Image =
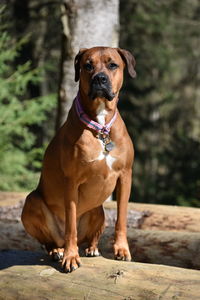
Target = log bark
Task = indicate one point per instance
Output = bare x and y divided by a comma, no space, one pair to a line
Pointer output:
179,249
161,217
174,240
31,276
143,216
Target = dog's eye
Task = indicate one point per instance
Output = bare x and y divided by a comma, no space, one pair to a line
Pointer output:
112,66
88,66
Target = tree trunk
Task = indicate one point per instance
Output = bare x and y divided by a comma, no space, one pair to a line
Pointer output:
86,23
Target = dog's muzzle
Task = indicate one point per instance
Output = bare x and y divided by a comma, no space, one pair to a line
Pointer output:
101,87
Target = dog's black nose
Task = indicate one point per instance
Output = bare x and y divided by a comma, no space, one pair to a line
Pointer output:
100,78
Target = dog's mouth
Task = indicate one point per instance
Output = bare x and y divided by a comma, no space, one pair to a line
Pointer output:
101,87
96,92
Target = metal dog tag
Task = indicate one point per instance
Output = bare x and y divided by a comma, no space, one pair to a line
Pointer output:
109,147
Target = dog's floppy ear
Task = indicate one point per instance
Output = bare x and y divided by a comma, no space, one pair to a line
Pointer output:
129,60
77,63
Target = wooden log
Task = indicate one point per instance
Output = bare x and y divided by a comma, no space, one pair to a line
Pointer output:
26,276
11,198
180,249
143,216
159,247
161,217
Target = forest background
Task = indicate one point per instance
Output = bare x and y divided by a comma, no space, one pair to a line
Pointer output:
161,107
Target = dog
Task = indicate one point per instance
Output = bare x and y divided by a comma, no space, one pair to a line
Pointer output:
90,156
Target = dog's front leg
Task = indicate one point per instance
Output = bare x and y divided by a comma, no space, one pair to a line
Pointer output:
123,187
71,259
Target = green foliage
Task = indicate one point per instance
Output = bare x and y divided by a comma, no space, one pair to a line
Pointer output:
164,99
19,159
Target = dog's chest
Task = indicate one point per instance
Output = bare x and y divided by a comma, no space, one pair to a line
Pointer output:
101,155
102,152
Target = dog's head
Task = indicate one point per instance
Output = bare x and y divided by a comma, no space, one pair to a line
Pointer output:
100,70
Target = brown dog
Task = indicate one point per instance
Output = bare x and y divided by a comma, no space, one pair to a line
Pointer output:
89,157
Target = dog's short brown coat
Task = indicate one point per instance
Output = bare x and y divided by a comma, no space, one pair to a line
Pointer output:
66,208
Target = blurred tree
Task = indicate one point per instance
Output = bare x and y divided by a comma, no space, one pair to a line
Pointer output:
86,23
164,99
18,159
40,20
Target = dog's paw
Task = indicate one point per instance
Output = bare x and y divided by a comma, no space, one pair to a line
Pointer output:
56,254
71,261
92,251
121,252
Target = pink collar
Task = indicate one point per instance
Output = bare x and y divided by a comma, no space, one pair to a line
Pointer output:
90,123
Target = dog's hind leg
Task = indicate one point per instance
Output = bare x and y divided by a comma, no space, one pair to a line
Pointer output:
90,228
41,224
